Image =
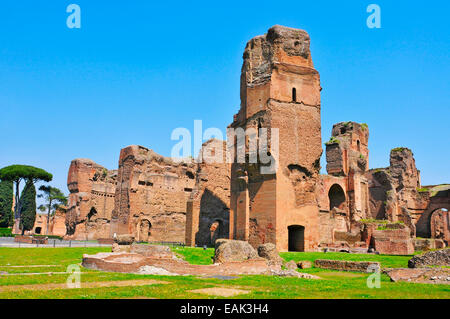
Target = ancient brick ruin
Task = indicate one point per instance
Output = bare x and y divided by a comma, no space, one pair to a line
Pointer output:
351,208
295,207
148,197
91,201
208,207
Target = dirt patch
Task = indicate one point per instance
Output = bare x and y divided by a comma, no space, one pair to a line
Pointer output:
96,284
222,292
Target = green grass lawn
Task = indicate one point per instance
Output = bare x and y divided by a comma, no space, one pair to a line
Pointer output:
386,261
333,284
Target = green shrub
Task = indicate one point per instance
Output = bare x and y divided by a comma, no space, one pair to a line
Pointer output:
6,232
333,140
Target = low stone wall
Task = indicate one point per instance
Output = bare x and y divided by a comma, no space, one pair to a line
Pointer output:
420,275
433,258
393,242
30,239
23,239
344,265
105,241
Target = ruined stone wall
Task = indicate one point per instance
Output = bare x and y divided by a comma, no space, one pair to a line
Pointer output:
208,208
396,195
279,89
40,225
147,197
347,150
57,223
333,207
434,221
394,192
91,201
151,195
347,155
343,196
156,199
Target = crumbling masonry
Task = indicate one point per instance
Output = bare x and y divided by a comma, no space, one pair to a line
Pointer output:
296,208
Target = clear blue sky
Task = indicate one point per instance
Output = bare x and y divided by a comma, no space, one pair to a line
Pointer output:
138,69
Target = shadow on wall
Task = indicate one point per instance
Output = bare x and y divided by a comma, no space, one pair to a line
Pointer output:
213,220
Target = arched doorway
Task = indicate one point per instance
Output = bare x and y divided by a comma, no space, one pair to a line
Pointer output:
144,230
296,238
92,214
336,197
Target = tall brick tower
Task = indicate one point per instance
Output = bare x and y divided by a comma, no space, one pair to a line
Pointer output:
279,89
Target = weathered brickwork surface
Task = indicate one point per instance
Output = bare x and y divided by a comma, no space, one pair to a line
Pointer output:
147,197
279,89
393,242
91,200
208,207
151,195
154,198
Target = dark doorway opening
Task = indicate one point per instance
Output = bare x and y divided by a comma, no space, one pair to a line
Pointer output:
336,196
38,230
296,238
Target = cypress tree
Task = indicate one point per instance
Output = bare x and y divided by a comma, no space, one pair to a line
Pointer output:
28,207
6,202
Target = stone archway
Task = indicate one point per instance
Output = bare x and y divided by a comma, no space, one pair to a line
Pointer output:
423,224
143,230
336,197
296,238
